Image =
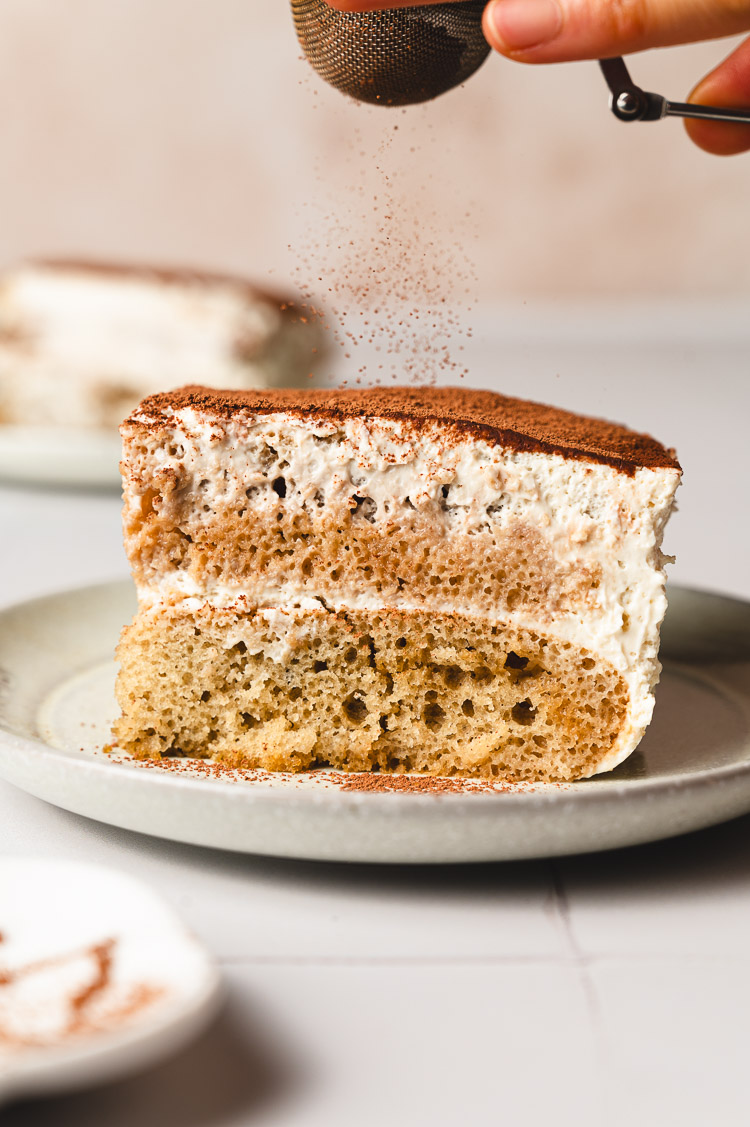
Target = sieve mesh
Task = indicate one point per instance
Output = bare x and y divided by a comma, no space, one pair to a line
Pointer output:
394,57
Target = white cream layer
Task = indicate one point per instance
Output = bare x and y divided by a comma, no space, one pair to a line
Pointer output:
591,516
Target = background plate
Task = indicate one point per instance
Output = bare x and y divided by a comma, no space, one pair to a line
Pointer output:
60,456
158,990
691,770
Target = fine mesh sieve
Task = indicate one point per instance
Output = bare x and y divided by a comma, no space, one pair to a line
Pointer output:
394,57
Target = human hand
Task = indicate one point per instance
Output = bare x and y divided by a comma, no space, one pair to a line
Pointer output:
555,31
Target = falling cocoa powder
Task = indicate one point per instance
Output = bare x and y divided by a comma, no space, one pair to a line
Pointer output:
395,277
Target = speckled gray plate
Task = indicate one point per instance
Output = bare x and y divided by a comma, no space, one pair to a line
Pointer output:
691,770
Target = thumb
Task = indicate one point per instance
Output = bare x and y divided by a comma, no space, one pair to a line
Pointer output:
553,31
727,85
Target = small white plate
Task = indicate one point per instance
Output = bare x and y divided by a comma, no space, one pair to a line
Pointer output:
691,770
60,456
97,977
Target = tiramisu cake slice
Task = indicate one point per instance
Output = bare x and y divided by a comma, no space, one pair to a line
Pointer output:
82,343
429,580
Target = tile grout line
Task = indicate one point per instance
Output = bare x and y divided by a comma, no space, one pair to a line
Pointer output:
376,961
572,961
583,965
577,956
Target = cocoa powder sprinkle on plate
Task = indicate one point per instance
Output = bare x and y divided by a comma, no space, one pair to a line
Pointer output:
362,782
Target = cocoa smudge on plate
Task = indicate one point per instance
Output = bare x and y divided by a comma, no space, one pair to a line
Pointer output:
79,1019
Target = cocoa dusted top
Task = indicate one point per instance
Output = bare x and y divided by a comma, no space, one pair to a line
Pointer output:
517,424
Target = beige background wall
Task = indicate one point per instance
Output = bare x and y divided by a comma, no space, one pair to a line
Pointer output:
189,130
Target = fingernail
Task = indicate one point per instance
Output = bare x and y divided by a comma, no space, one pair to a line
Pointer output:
520,24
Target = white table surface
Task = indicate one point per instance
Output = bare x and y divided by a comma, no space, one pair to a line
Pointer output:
607,989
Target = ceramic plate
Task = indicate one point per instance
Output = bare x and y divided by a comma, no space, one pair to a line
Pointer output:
97,977
691,770
60,456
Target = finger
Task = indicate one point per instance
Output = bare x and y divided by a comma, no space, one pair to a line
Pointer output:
728,85
551,31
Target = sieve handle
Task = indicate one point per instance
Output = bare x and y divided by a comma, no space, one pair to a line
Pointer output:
629,103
